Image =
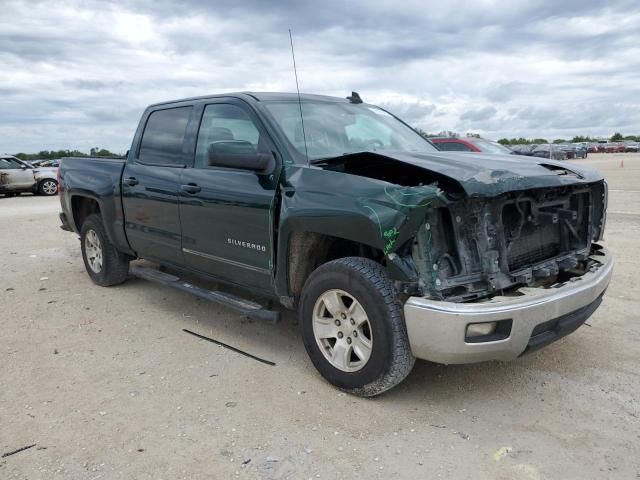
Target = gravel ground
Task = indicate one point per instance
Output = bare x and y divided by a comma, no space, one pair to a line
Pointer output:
105,385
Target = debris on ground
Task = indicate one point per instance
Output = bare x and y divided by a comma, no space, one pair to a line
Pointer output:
8,454
234,349
501,453
273,468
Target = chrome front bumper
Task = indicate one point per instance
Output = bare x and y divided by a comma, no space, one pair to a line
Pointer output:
437,329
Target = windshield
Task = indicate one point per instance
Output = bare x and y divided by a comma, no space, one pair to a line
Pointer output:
334,129
490,147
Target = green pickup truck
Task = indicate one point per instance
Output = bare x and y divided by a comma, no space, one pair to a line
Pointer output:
389,249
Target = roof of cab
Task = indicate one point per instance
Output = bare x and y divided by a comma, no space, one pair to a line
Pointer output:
260,96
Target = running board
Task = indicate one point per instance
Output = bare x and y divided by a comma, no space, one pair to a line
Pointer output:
240,305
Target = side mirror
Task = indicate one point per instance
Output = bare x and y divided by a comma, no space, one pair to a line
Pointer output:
239,154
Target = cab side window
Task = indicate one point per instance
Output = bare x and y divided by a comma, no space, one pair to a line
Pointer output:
163,137
225,128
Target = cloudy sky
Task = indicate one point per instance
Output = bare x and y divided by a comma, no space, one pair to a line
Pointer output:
79,74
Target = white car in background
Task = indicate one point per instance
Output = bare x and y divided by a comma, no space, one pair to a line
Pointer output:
17,177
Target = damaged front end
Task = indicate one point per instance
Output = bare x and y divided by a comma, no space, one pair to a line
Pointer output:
477,247
458,232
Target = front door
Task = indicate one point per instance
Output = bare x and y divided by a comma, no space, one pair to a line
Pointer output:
15,176
226,213
150,186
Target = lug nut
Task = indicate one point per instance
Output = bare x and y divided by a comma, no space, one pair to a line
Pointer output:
344,316
353,322
337,323
340,335
349,340
355,333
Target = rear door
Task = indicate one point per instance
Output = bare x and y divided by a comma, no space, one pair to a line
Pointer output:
150,185
226,213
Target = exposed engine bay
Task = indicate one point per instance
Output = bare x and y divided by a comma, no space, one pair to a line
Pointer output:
474,248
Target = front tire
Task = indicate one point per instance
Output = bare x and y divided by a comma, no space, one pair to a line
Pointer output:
48,187
353,327
105,265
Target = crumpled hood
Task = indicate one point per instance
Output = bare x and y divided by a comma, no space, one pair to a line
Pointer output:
482,174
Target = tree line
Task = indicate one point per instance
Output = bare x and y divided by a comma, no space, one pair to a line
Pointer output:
56,154
616,137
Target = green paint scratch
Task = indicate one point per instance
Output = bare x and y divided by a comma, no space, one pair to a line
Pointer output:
377,218
390,236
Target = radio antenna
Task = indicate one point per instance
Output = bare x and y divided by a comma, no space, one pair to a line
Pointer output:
295,71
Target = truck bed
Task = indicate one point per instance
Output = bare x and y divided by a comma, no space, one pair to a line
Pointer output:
99,178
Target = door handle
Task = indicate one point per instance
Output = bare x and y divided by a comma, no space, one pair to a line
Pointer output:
190,188
132,181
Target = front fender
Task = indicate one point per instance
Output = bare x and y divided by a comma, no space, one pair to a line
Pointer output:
372,212
44,175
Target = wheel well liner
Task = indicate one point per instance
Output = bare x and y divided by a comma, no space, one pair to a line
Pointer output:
309,250
81,208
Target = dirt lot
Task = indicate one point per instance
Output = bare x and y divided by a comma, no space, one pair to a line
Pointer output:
106,385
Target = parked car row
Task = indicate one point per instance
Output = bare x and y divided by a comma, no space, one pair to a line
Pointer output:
17,177
545,150
555,151
44,163
475,144
613,147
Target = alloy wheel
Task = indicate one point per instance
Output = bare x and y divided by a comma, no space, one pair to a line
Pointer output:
342,330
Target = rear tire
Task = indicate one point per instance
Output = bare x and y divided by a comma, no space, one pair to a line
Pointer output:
348,306
105,265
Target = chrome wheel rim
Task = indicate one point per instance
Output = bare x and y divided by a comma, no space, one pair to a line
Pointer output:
93,251
342,330
49,188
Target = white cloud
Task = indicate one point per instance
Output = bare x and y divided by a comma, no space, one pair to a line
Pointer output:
78,74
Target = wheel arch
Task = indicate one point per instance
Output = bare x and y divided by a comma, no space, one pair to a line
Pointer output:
81,207
305,251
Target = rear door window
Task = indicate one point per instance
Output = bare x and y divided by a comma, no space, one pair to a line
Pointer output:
163,138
